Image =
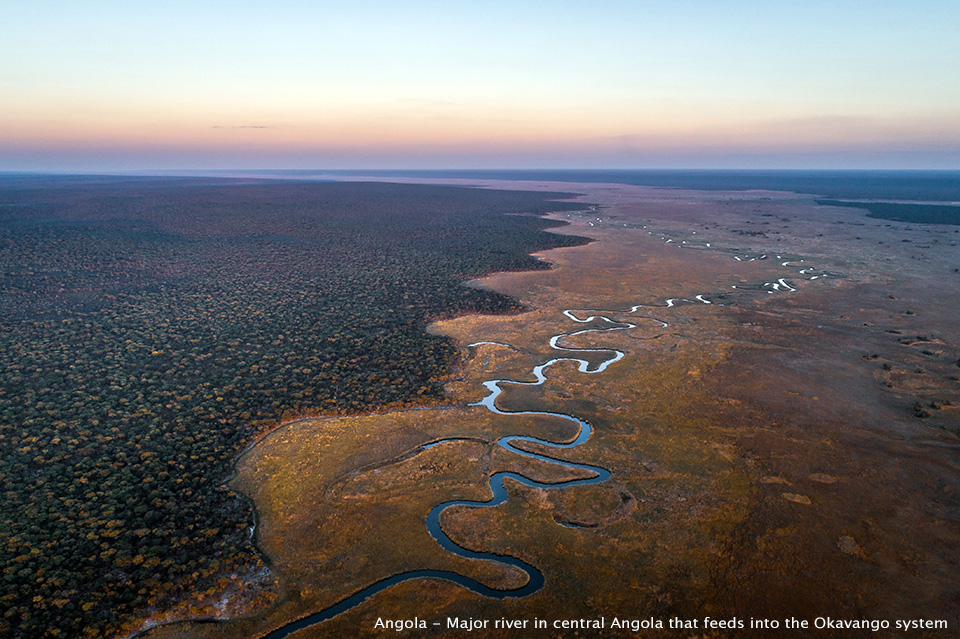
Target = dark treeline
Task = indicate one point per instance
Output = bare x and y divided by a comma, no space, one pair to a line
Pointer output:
904,211
942,186
151,329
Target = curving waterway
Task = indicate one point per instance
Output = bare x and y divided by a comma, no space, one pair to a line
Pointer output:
495,389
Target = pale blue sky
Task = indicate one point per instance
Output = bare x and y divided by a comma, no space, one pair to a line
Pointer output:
117,85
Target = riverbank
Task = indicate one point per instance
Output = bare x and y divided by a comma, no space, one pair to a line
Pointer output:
760,463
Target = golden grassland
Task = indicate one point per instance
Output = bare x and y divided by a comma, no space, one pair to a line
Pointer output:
761,465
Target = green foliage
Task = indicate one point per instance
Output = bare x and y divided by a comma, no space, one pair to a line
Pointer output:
150,329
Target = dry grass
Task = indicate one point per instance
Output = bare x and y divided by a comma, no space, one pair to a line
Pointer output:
749,450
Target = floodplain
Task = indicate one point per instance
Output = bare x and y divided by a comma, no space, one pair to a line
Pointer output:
780,435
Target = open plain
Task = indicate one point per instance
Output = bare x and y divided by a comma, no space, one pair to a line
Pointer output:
780,433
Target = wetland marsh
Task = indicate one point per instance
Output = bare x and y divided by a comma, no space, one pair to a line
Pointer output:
727,404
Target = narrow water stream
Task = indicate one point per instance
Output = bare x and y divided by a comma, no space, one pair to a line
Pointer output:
495,388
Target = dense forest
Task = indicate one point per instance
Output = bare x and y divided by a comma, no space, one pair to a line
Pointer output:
151,329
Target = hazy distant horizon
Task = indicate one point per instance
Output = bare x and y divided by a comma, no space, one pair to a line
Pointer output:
916,160
917,186
122,169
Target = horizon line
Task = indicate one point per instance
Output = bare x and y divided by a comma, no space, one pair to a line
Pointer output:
164,172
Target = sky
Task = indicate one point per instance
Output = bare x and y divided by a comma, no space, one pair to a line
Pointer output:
126,86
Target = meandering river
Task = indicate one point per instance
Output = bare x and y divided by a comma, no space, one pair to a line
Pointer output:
608,322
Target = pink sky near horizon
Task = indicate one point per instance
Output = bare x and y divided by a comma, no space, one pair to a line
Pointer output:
107,86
